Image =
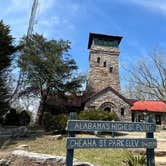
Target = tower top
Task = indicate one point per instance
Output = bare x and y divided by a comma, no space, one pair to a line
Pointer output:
104,40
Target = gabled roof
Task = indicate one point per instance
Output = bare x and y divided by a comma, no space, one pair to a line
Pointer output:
148,105
105,90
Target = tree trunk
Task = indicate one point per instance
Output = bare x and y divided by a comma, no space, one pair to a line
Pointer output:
40,112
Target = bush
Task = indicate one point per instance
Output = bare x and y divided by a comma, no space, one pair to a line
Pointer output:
11,118
61,122
97,115
135,160
24,118
54,122
14,118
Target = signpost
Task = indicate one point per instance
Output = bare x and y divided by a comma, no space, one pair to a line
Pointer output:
108,126
77,143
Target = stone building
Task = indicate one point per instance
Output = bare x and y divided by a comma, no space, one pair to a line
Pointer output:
156,109
103,86
103,78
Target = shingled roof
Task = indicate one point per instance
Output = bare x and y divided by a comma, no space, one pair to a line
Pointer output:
148,105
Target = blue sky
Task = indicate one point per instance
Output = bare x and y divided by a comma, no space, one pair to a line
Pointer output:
142,23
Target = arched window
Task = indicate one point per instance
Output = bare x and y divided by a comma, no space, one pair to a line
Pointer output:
108,109
98,60
105,64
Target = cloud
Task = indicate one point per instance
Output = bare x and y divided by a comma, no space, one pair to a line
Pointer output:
153,5
17,6
44,5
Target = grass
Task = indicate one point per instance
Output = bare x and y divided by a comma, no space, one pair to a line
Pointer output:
49,145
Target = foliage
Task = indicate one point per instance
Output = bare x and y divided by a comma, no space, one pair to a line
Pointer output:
11,118
24,118
92,114
135,160
48,69
61,122
6,50
14,118
147,78
54,122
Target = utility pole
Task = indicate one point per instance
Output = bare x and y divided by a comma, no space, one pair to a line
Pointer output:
32,21
32,18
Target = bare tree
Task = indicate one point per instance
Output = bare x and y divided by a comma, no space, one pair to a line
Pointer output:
147,78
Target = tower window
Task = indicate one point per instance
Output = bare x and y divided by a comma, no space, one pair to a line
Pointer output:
98,60
122,111
111,69
104,64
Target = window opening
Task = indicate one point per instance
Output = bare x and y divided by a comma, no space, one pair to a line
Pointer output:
98,60
104,64
108,109
122,111
111,69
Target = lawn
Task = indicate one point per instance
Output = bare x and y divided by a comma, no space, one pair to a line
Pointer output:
49,145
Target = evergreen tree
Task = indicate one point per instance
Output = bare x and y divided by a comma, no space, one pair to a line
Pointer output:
48,69
6,50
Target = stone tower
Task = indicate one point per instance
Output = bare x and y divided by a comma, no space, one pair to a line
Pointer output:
103,60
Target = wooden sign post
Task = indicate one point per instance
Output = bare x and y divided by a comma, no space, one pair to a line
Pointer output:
108,126
70,152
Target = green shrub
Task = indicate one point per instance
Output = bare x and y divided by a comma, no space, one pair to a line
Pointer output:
61,122
54,122
135,160
24,118
11,118
48,121
97,115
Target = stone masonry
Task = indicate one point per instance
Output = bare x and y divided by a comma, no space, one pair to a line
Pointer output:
108,99
104,65
99,76
103,77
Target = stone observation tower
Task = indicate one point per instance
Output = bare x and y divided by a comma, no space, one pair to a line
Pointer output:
103,59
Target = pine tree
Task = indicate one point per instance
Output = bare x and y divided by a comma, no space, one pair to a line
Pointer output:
48,69
6,50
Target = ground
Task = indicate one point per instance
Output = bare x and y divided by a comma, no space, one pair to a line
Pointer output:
104,157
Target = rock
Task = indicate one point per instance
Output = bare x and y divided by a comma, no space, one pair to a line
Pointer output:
21,131
22,147
82,164
44,158
4,162
39,158
57,137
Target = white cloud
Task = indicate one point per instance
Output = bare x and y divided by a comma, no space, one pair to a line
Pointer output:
17,6
44,5
153,5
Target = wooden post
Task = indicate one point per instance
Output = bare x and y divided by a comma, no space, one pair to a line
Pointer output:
150,152
70,152
113,133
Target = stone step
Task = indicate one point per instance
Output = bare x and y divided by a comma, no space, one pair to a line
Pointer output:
45,158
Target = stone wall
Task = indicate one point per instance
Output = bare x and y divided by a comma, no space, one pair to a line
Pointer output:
100,77
13,131
117,103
